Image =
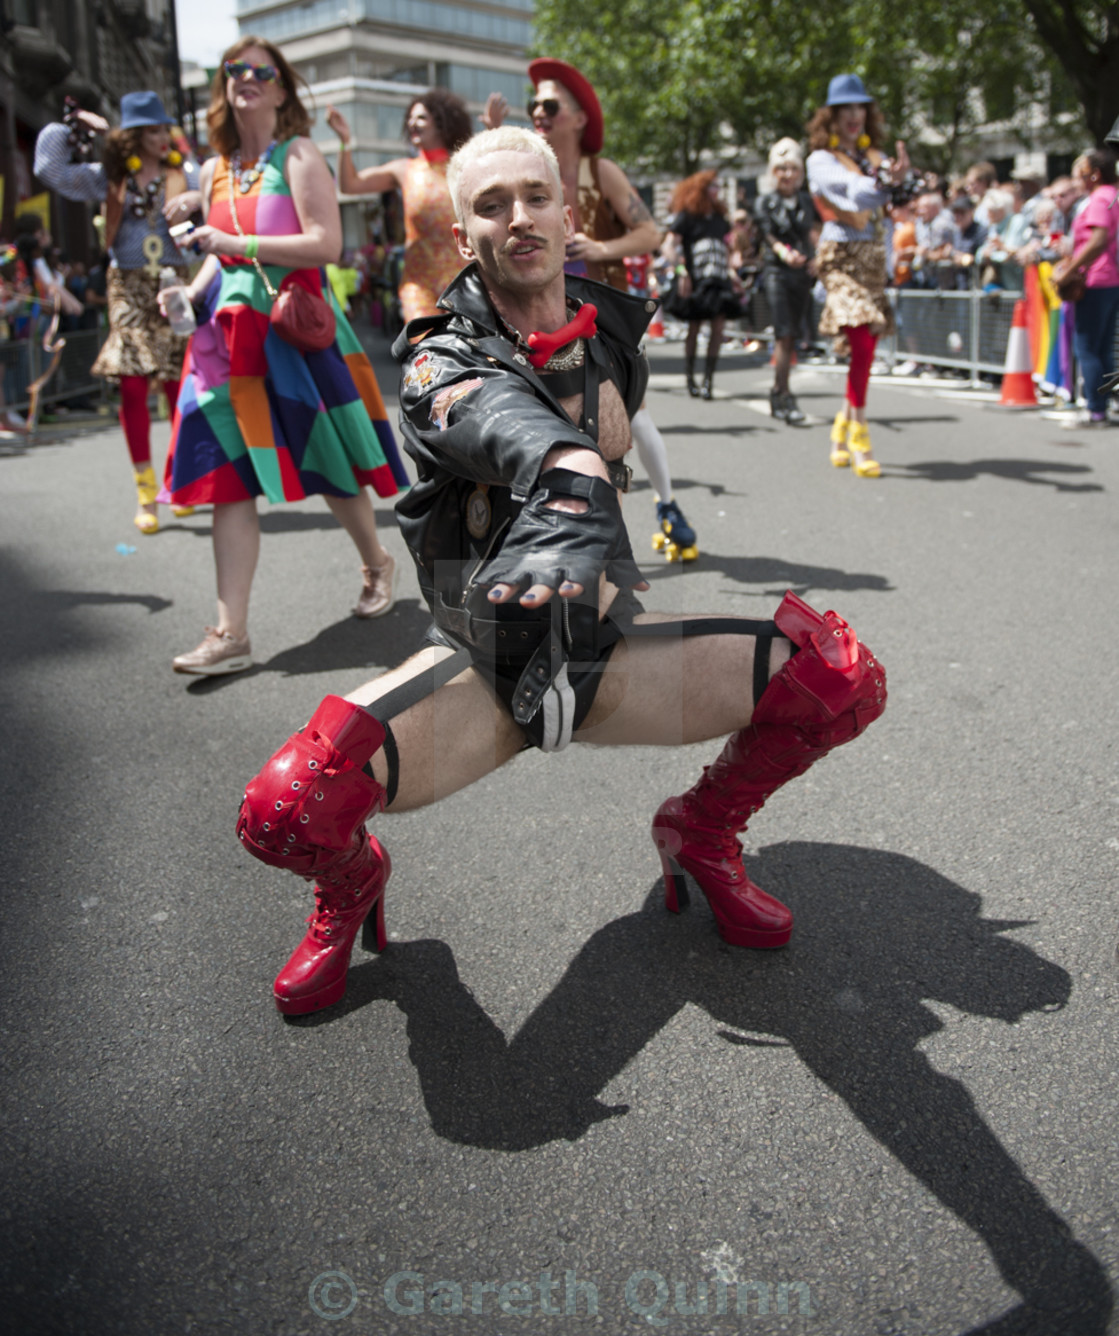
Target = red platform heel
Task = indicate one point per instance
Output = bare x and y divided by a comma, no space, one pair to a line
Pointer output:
827,693
352,896
688,839
306,811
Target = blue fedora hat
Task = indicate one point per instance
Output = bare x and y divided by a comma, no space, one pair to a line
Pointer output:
137,109
846,88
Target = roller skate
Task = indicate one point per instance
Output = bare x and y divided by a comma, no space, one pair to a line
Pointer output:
676,537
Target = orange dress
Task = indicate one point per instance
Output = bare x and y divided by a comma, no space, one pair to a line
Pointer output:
431,258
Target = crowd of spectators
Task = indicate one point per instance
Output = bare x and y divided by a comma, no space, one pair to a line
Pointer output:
977,232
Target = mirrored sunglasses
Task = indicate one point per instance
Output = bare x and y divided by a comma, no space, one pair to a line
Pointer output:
237,69
548,105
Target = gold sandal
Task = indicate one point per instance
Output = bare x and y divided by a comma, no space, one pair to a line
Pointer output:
146,492
858,439
840,457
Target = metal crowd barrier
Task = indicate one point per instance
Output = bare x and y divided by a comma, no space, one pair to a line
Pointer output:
22,361
966,331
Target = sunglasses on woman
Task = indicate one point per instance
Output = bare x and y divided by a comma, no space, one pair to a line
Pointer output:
548,105
237,69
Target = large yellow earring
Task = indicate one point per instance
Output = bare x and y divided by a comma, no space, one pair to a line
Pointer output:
863,141
833,141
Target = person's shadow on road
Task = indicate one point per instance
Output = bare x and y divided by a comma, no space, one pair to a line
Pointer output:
877,935
1013,470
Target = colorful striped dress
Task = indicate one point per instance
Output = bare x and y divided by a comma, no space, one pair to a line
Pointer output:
256,417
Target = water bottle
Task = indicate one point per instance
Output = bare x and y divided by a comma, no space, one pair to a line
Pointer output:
176,302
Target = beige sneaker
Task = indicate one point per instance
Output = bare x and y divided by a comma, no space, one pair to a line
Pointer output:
220,652
378,593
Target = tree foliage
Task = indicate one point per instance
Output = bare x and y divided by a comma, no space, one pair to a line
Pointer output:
685,80
1084,37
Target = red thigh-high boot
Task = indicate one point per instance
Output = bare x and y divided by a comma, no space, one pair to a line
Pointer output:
306,811
825,695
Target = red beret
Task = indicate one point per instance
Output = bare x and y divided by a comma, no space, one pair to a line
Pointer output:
559,71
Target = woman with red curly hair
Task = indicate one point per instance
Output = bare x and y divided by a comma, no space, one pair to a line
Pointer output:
852,183
436,123
697,245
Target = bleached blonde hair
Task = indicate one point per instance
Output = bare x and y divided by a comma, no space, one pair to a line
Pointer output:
786,150
507,139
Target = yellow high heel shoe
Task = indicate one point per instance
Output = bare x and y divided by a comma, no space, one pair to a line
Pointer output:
146,492
858,441
840,457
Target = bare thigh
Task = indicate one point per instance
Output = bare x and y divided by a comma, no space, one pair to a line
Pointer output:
445,741
671,690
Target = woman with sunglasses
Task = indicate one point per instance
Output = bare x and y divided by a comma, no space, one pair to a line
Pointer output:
436,123
146,185
256,415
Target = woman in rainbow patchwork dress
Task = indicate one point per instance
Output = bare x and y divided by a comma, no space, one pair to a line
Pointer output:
257,416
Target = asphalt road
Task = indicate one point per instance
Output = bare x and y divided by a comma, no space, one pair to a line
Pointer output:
550,1106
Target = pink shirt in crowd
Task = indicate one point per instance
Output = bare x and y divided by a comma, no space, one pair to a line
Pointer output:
1102,272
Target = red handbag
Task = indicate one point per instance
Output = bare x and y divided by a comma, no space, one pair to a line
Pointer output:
298,316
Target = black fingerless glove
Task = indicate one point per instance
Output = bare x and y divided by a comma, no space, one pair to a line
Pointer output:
549,547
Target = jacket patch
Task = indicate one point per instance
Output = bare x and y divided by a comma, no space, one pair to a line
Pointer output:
443,402
419,373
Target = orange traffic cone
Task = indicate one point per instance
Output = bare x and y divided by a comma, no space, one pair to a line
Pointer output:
655,332
1017,378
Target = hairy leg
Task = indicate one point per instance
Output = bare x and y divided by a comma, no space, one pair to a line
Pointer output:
445,741
674,690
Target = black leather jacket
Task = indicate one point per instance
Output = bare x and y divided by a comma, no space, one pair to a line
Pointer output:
476,418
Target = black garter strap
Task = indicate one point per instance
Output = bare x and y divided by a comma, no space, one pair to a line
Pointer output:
425,683
761,666
392,760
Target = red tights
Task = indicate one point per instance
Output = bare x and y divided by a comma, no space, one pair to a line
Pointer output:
135,418
862,344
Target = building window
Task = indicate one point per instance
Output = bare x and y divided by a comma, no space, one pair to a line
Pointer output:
424,15
476,84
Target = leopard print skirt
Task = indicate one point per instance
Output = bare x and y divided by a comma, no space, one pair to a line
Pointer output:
140,341
854,275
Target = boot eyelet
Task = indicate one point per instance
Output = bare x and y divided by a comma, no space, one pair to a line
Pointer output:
268,825
312,765
291,839
304,819
296,785
279,806
318,797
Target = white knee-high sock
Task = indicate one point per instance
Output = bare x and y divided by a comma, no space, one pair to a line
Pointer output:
652,452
